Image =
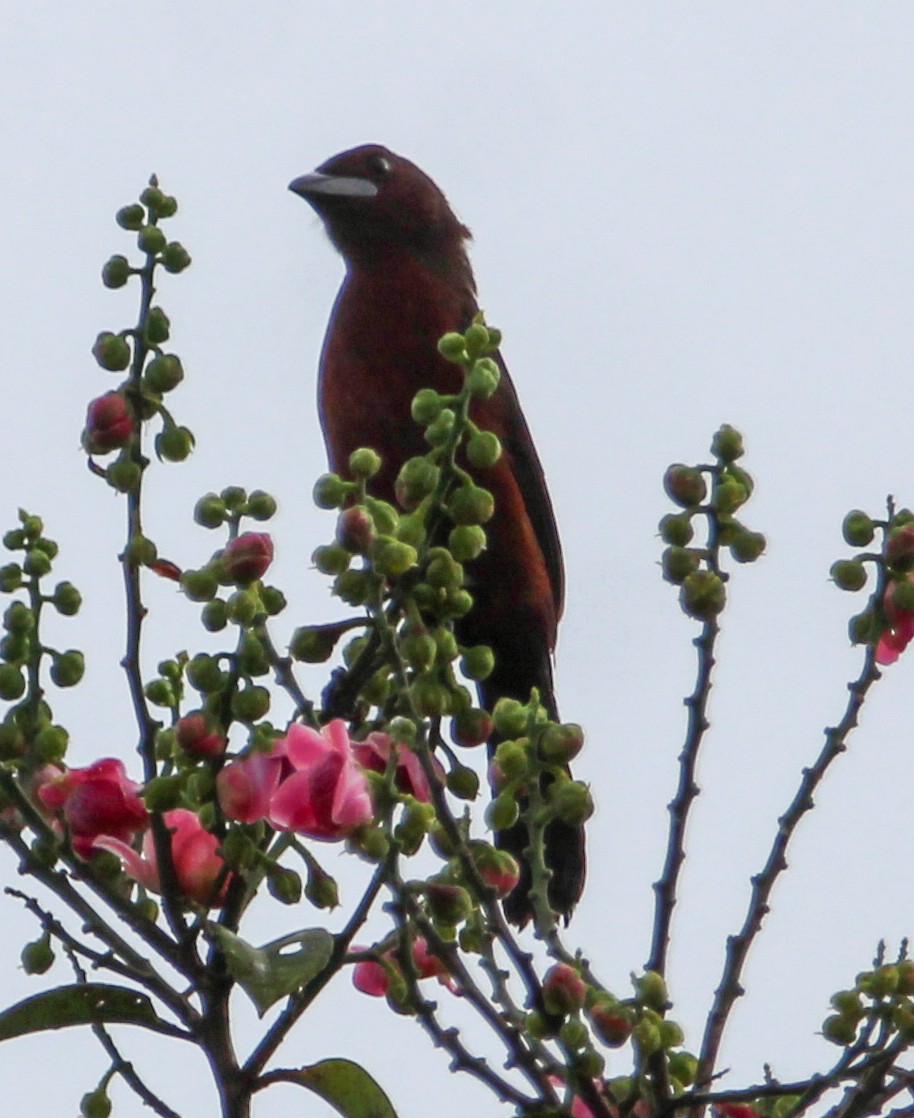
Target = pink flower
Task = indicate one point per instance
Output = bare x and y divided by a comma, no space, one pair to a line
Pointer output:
372,978
374,754
579,1108
497,868
109,424
900,632
246,558
246,787
98,800
326,796
194,855
735,1110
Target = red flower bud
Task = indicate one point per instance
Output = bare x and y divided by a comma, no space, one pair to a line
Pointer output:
109,424
247,557
196,737
564,990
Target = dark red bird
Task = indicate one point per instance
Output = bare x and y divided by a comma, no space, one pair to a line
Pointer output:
408,281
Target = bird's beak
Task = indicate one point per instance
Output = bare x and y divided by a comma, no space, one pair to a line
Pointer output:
339,186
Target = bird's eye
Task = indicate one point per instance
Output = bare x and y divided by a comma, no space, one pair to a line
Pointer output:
380,166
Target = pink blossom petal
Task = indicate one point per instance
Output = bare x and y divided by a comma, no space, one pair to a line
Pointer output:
306,747
371,978
136,866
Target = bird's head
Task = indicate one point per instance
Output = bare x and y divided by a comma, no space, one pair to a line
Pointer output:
372,201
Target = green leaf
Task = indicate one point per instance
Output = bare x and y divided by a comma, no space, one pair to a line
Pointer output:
271,972
82,1004
347,1087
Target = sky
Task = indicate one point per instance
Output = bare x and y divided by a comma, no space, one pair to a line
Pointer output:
683,215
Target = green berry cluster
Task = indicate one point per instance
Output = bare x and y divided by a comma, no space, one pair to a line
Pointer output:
28,732
714,492
113,420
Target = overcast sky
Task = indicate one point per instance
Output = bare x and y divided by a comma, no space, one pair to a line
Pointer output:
684,214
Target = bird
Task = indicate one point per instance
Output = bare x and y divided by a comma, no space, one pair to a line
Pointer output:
407,282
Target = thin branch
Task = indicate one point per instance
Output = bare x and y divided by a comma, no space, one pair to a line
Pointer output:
738,946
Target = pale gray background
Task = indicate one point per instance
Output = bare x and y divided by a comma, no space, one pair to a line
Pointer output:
684,214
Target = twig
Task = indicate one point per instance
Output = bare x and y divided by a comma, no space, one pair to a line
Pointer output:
738,946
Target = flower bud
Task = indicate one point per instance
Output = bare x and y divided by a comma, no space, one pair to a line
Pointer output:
452,347
677,563
250,703
611,1020
200,585
175,257
438,432
747,546
284,885
467,542
109,424
364,462
204,674
164,373
330,491
416,479
463,783
470,504
448,904
173,443
352,587
95,1104
246,558
426,405
111,351
150,239
482,378
130,217
848,574
497,868
476,338
37,957
503,812
647,1037
321,890
430,697
510,718
684,485
727,444
36,563
483,450
899,549
560,744
195,736
839,1030
477,663
472,727
313,644
355,529
123,474
68,668
652,991
393,558
511,759
676,528
728,496
418,649
571,801
703,595
671,1034
67,599
564,990
261,505
858,529
116,272
443,569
